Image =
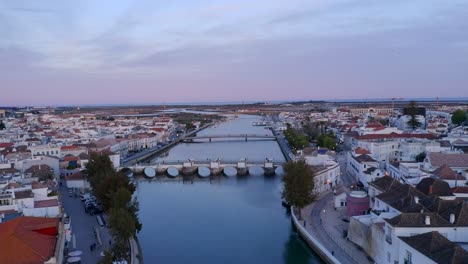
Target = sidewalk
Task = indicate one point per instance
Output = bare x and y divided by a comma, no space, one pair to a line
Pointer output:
83,226
326,225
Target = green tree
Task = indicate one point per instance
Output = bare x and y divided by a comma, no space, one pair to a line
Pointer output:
459,117
296,139
312,130
413,122
2,126
327,141
298,183
421,156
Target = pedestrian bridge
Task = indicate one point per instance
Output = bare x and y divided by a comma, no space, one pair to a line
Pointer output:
245,137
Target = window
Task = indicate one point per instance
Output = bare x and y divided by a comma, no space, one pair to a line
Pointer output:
408,258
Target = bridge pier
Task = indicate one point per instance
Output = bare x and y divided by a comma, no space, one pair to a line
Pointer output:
210,139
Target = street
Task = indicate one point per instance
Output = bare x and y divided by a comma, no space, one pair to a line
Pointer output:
83,225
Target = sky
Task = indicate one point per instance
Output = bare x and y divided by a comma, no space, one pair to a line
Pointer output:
56,52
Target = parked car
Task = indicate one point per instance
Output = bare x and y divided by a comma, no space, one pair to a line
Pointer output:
85,196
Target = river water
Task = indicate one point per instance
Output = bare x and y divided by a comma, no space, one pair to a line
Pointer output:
225,220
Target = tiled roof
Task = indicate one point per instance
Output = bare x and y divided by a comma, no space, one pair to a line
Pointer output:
46,203
446,173
38,185
437,247
24,194
361,151
385,183
452,160
393,136
433,186
364,158
28,239
402,198
77,176
418,220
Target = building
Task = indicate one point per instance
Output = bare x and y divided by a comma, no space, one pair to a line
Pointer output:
29,240
47,150
430,247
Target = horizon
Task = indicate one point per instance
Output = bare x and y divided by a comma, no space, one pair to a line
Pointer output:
275,102
126,52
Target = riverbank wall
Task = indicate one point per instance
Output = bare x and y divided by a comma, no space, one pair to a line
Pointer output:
313,243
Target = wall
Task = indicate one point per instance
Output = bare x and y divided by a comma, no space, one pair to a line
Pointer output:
324,254
42,212
416,256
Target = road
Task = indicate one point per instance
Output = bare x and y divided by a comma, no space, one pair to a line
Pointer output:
346,179
83,225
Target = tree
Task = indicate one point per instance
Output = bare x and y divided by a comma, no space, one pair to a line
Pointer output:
459,117
299,184
2,126
327,141
413,122
421,156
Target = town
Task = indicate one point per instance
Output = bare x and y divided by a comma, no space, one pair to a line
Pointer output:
390,180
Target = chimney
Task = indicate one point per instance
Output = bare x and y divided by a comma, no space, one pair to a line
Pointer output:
452,218
416,199
427,220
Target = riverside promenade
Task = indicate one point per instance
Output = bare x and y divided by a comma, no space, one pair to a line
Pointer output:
325,224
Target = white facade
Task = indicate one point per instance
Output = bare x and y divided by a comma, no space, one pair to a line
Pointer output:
48,150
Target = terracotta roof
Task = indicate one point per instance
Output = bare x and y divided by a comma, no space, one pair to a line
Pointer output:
437,247
24,194
446,173
28,239
46,203
12,185
364,158
418,220
385,183
6,145
434,186
361,151
69,147
70,158
77,176
393,136
38,185
460,189
452,160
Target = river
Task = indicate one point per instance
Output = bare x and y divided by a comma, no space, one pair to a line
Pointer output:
225,220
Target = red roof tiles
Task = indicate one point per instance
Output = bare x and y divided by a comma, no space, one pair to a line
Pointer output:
28,239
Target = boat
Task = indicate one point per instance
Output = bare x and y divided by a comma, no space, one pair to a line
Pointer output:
230,171
149,172
188,168
172,172
204,171
242,169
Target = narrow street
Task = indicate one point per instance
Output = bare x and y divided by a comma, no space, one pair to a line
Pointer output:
83,226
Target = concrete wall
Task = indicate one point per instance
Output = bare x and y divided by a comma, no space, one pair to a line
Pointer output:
324,254
52,211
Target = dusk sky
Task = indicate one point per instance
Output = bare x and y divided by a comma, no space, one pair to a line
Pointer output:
55,52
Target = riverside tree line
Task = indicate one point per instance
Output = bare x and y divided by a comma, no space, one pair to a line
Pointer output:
114,190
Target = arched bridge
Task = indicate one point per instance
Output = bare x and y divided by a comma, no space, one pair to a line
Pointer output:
245,137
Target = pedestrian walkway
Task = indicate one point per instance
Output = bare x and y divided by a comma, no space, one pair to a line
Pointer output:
326,225
85,230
